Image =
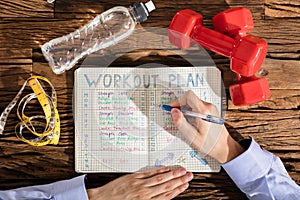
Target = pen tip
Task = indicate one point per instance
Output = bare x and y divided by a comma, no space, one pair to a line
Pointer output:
166,107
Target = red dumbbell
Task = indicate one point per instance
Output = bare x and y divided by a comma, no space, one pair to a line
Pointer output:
236,23
249,90
246,53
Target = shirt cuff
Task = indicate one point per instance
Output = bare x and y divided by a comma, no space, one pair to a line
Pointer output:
70,189
251,165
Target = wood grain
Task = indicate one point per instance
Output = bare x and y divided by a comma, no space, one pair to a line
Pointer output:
28,8
289,99
281,8
275,123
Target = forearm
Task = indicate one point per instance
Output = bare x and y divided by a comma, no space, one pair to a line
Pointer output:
61,190
257,172
261,175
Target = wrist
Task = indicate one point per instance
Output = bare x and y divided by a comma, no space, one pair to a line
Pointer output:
95,194
226,148
91,193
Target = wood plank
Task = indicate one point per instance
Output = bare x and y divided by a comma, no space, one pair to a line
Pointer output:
28,8
12,76
295,176
99,6
280,99
64,80
47,163
277,72
281,35
282,8
255,6
34,32
9,56
15,61
42,161
79,9
273,129
9,53
289,51
70,9
159,19
283,74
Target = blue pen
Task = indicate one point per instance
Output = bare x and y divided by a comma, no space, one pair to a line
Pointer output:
209,118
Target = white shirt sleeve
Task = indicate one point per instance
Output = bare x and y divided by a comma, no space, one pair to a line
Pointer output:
62,190
261,175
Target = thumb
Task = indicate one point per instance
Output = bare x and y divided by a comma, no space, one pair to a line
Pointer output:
182,124
177,116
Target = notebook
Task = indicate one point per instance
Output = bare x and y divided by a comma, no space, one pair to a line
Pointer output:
119,126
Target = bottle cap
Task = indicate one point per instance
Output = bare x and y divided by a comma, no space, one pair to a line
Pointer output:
150,6
141,10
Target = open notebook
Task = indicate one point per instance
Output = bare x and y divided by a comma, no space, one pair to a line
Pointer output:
119,126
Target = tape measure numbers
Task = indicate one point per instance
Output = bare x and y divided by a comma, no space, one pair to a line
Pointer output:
51,123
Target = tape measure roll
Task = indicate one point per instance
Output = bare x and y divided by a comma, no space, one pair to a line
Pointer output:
49,121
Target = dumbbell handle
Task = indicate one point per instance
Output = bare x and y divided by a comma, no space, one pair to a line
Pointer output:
213,40
240,78
246,53
245,59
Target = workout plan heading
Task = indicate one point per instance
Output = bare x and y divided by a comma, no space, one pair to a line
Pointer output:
144,80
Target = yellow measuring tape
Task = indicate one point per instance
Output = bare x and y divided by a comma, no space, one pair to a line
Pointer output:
50,120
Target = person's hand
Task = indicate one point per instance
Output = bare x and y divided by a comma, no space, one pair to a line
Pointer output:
160,183
209,138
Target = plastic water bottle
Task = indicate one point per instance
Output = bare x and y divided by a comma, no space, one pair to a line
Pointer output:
104,30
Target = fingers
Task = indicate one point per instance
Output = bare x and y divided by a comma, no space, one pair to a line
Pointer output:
192,100
173,187
161,183
164,177
189,98
152,172
172,194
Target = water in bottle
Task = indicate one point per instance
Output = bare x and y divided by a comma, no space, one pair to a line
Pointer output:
104,30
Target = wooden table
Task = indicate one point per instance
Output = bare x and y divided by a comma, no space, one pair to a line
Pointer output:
275,124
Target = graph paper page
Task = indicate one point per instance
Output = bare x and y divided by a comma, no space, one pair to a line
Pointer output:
119,126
